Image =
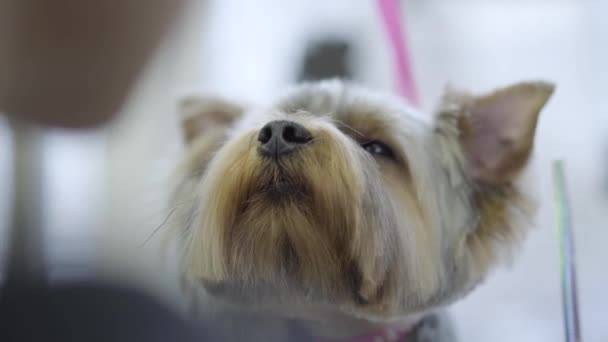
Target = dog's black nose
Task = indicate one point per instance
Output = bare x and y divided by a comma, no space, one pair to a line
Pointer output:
278,138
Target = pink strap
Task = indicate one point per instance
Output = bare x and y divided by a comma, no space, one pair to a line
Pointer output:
390,13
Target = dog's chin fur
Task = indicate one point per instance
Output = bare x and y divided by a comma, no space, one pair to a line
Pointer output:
331,225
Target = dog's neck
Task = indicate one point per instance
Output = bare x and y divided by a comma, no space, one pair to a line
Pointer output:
336,327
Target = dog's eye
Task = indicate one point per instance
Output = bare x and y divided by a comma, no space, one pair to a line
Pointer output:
378,148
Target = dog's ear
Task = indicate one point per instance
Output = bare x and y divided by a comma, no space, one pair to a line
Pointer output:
497,129
202,115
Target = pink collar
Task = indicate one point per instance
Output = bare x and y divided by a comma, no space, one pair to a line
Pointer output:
389,334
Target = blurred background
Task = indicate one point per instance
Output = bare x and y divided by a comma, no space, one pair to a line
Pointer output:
114,180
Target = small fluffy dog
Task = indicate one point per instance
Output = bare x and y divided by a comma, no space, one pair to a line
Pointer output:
347,211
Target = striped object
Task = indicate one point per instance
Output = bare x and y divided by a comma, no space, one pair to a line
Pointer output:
568,269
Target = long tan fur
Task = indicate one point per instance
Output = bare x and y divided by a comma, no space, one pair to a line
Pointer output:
334,226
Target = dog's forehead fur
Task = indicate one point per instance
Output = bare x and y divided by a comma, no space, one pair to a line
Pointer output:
343,104
375,238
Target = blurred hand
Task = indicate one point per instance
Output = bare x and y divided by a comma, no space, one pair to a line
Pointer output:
71,63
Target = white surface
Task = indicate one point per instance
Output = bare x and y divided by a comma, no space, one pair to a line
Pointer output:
74,196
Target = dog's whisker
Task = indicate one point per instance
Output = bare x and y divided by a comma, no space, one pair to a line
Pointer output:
339,122
179,205
166,211
313,140
159,227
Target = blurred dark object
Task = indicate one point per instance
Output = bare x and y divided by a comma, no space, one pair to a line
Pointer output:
327,59
72,63
88,312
